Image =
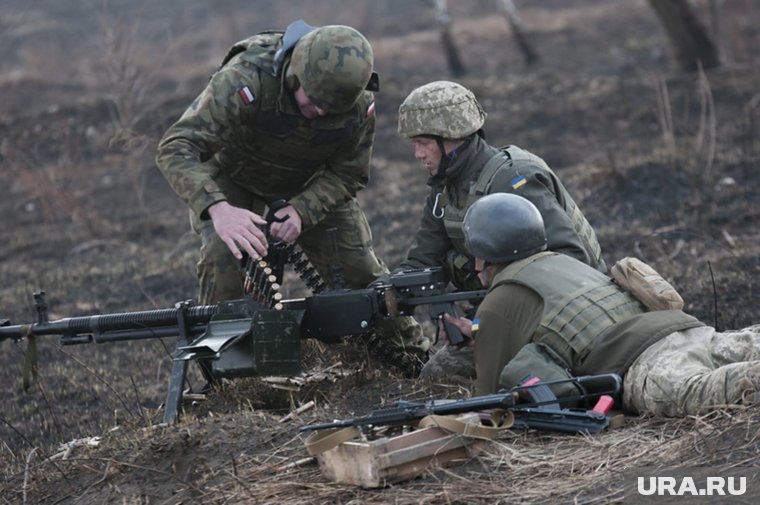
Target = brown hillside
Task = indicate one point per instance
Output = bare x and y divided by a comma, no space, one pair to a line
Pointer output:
664,165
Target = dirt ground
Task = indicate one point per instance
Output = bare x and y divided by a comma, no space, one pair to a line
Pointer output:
664,165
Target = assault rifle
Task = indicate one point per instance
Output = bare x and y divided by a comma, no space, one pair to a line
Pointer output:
245,337
539,410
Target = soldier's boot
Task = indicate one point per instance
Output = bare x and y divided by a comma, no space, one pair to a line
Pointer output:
750,385
400,343
730,384
450,365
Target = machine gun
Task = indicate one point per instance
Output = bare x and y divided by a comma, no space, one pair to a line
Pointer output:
245,337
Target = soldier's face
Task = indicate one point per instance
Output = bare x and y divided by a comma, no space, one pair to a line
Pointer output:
485,272
308,109
428,153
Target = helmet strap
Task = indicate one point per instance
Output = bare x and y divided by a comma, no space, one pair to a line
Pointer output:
445,160
291,80
448,158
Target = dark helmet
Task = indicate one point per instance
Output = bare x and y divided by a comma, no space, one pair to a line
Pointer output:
502,227
333,64
441,109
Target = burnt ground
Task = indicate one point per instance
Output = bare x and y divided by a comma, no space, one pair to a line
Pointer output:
663,164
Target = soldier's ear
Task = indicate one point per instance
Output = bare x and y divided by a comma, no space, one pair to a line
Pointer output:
291,81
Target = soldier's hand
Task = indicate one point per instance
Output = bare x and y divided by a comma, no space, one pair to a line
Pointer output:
238,228
463,324
288,230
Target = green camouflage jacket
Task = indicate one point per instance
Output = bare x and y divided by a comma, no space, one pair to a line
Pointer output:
567,230
246,124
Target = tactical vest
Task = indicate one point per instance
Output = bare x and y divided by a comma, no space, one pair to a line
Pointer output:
505,159
580,304
293,146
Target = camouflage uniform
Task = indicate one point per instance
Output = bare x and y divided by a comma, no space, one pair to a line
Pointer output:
549,315
690,371
245,141
671,363
448,110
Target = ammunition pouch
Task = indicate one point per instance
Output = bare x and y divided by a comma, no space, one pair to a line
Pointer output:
540,360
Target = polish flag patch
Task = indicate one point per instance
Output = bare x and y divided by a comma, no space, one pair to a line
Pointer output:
246,94
371,109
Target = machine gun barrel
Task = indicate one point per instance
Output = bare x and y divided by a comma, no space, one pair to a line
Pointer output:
148,322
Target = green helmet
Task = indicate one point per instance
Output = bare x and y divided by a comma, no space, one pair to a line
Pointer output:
503,227
333,64
441,108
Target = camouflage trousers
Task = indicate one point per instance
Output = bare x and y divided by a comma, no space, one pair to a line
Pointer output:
449,365
690,371
220,276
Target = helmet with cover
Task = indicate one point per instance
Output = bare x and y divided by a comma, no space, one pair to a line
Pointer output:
442,109
503,227
333,64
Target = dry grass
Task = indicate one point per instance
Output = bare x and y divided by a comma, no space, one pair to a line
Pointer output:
81,153
270,464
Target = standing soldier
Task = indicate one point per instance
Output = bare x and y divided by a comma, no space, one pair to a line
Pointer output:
445,121
288,116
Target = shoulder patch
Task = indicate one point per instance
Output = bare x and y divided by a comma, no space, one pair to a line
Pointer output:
246,95
520,181
371,108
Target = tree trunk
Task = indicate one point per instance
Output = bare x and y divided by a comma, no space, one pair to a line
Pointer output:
449,47
689,39
510,12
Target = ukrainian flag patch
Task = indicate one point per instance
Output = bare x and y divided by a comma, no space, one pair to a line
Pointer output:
520,181
475,325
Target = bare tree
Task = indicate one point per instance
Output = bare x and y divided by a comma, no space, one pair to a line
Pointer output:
510,12
452,53
691,42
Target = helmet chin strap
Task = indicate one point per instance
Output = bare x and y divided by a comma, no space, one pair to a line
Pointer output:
448,158
445,160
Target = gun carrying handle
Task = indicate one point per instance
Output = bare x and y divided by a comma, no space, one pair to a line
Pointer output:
273,208
271,218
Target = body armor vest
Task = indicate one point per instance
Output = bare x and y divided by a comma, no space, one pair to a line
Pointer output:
580,304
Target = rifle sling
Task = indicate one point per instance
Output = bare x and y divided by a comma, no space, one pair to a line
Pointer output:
324,440
501,420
